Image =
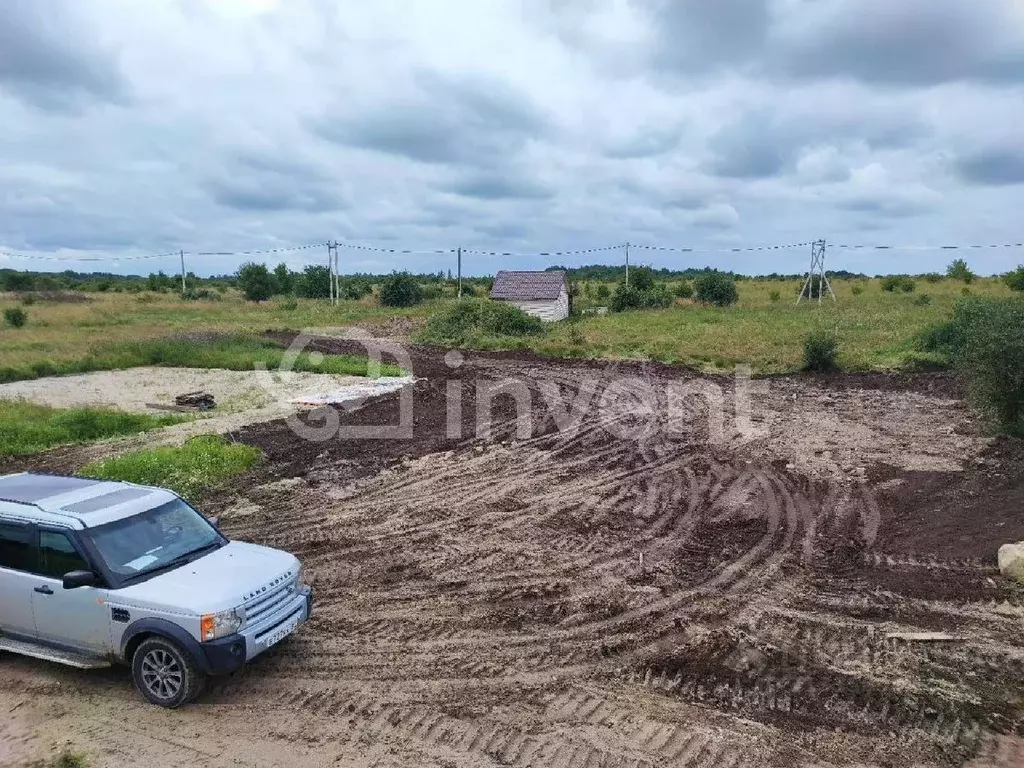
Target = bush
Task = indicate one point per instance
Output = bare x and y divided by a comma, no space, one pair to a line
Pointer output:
821,349
641,278
898,284
255,281
201,294
288,304
626,297
603,291
354,289
1015,279
15,317
16,282
203,461
857,290
683,290
433,291
958,270
716,288
466,321
314,283
774,296
923,300
400,290
985,341
468,289
28,300
933,277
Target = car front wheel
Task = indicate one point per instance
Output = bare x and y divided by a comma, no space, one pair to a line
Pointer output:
165,674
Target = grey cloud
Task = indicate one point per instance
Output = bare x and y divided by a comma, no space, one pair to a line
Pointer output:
699,36
909,42
49,57
271,181
450,121
648,142
500,187
994,167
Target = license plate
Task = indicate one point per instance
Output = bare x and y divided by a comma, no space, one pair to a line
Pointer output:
282,633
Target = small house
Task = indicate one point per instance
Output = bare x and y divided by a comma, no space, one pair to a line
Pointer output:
541,294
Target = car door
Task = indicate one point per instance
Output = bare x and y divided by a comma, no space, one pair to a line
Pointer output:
17,562
76,618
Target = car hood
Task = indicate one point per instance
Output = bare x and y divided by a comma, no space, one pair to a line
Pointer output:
223,579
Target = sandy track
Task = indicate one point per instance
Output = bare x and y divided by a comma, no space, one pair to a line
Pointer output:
580,599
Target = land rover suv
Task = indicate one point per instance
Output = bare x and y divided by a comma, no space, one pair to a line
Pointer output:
94,573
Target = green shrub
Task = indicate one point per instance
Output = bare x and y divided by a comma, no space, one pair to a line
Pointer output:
603,291
15,317
958,270
288,304
933,277
821,350
985,341
16,282
200,294
469,290
626,297
433,291
857,290
255,281
716,288
683,290
923,300
641,278
774,296
28,300
469,319
400,289
314,282
202,462
353,288
965,291
898,284
1015,279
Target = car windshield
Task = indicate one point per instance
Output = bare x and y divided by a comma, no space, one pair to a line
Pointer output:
153,539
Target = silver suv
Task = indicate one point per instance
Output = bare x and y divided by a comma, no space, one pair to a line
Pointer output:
94,573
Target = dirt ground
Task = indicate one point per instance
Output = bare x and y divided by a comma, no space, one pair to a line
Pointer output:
653,580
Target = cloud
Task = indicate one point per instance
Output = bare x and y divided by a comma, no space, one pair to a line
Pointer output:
223,125
51,58
995,167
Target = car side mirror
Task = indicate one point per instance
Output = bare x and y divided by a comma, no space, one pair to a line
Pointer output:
76,579
215,522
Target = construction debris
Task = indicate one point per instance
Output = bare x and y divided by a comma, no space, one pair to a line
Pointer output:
200,401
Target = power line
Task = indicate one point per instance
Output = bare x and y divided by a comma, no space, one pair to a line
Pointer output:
545,253
718,250
258,252
88,258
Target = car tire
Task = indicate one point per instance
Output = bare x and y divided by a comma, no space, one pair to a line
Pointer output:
165,673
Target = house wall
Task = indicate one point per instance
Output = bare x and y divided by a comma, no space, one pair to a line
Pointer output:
548,310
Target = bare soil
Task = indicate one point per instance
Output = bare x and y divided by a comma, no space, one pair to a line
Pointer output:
615,593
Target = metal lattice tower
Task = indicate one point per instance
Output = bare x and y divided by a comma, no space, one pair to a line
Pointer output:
816,277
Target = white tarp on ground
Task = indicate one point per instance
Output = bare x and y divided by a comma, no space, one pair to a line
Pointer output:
351,392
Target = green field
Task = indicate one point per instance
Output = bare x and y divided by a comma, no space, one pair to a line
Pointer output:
877,329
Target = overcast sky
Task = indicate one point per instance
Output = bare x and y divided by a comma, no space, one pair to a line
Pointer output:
132,127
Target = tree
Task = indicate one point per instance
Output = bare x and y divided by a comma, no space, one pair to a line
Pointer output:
255,281
1015,279
284,278
314,283
641,278
716,288
959,270
17,281
400,290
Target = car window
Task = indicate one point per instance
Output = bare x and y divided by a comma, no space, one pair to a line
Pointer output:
57,555
16,550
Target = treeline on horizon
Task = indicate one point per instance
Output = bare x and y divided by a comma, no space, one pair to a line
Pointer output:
26,280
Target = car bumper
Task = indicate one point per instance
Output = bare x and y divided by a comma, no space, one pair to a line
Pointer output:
229,653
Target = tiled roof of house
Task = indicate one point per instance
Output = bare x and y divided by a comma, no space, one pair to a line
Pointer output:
528,286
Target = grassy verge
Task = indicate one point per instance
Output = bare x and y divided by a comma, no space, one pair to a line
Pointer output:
28,428
203,462
233,352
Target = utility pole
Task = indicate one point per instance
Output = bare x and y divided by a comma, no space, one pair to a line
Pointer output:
337,275
816,274
460,273
330,270
627,263
182,254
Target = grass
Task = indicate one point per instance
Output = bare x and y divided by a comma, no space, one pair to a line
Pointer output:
876,328
202,462
28,428
234,352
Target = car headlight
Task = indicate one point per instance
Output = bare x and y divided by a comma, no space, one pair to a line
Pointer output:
213,626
